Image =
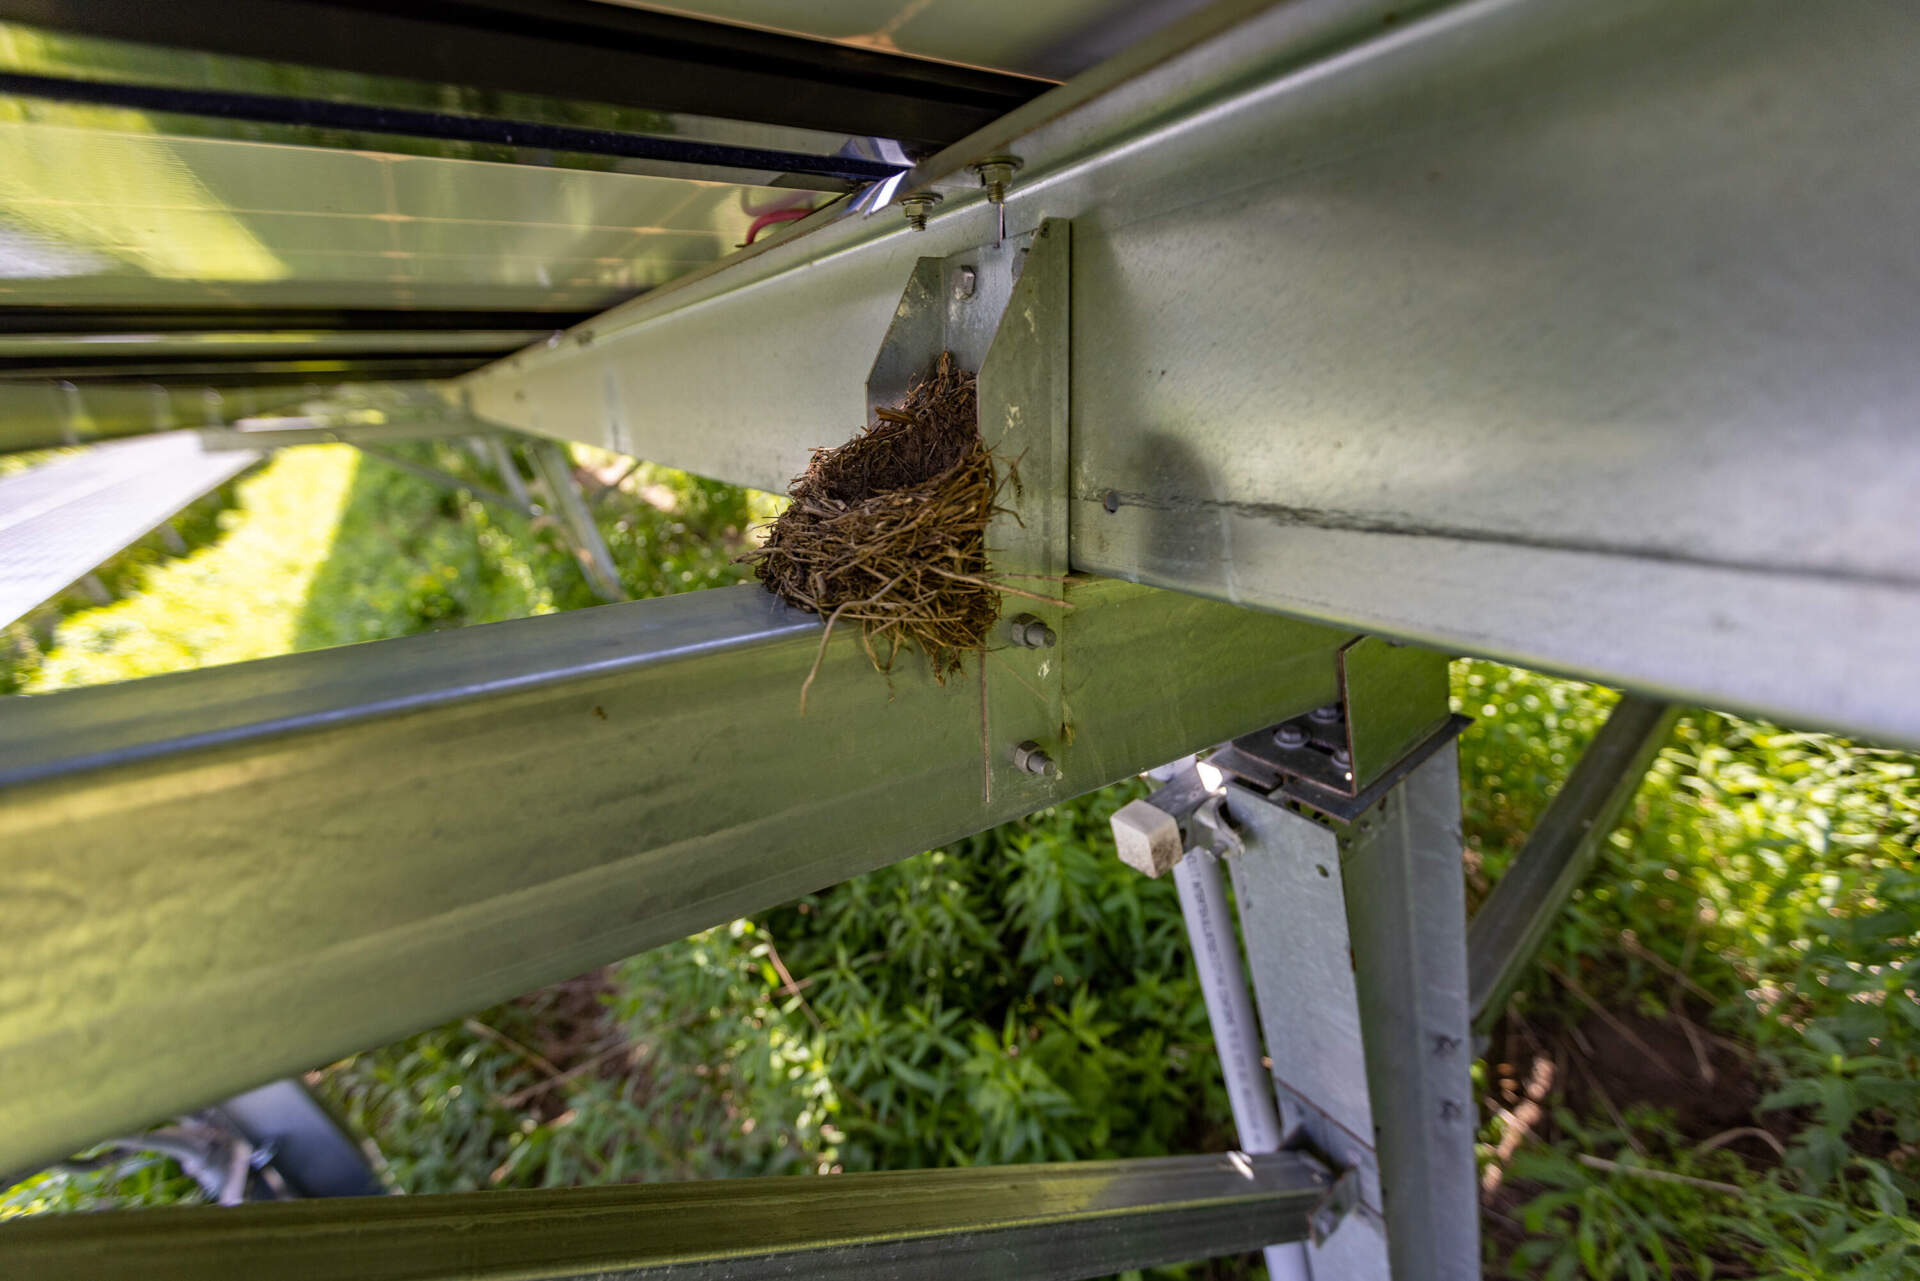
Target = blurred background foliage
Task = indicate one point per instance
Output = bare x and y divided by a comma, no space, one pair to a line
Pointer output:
1713,1072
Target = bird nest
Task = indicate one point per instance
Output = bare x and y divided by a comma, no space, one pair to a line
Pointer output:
889,529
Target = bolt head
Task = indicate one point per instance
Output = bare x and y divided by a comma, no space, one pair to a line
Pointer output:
1325,715
1032,759
964,282
1290,736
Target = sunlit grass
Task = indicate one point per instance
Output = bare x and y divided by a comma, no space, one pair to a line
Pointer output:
237,599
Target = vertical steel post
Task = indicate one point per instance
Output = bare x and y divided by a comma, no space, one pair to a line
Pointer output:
1289,886
1407,915
1356,937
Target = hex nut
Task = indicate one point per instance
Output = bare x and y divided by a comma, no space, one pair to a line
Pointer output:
1030,632
917,205
996,173
1148,837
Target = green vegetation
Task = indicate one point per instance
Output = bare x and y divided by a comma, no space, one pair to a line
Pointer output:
1752,937
1715,1071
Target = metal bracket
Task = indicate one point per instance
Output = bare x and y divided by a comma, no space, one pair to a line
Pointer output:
1340,1200
1002,311
1340,758
1213,828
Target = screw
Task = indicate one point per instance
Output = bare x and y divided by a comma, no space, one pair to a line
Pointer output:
1029,757
916,205
1341,757
963,282
1290,736
1325,715
995,173
1031,633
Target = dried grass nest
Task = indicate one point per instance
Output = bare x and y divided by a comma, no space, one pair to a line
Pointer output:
889,529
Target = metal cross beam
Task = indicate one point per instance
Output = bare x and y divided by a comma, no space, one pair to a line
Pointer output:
212,874
1508,929
1012,1223
1491,325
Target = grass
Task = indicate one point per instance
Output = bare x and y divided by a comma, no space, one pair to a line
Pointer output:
1715,1071
238,597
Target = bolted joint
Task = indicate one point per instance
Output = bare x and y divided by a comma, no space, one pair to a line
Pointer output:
917,205
996,174
1032,759
1031,633
1335,1204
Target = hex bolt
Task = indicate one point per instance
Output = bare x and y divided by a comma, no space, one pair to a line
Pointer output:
996,172
1342,758
1030,758
1031,633
916,205
963,284
1325,715
1290,736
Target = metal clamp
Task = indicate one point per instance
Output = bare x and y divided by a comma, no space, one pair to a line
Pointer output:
1334,1205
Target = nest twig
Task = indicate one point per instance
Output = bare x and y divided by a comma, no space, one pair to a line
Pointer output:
889,529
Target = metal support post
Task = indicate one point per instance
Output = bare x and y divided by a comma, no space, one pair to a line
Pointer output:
1560,851
500,454
1355,932
563,495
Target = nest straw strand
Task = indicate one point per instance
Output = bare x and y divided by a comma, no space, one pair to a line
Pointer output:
889,529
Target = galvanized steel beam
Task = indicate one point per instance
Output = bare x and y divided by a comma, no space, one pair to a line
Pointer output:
1010,1223
1572,335
227,875
1508,929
